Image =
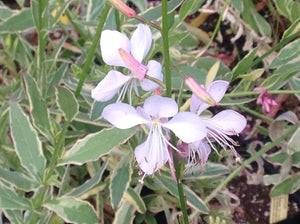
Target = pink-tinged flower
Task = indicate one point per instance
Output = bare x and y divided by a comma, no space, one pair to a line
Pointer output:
199,91
220,126
118,50
122,7
153,153
265,99
196,152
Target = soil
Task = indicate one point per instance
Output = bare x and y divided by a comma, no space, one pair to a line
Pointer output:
254,205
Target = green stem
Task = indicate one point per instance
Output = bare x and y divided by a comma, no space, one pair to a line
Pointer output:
41,75
165,38
248,161
182,201
254,113
76,27
92,49
141,19
247,93
277,47
57,151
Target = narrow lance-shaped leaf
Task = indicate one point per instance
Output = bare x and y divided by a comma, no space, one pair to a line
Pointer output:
89,184
125,214
134,198
27,144
73,210
19,180
95,145
290,185
120,180
18,22
10,199
38,107
192,199
67,102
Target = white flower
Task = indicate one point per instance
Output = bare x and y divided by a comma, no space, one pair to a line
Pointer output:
153,153
118,50
220,126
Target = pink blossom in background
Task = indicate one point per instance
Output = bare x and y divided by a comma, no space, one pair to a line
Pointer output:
265,99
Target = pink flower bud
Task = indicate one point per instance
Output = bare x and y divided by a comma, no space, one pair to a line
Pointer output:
138,69
199,91
123,8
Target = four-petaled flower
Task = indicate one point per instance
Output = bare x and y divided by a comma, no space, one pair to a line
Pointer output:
219,127
153,153
118,50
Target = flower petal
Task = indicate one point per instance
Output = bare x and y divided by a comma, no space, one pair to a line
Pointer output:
152,154
216,90
203,150
110,42
109,86
187,126
154,70
229,121
160,107
123,115
141,41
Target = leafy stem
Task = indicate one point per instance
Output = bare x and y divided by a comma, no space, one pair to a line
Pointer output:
248,161
92,50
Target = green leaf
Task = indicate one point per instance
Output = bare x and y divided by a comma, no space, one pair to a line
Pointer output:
296,159
38,107
290,185
278,158
89,184
238,4
295,27
192,199
212,73
209,170
255,20
120,180
27,144
5,13
294,142
14,216
281,76
295,84
19,180
187,7
133,197
73,210
289,54
18,22
55,79
243,66
10,199
67,102
253,75
95,145
125,214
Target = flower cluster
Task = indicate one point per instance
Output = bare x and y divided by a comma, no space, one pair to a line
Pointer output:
160,114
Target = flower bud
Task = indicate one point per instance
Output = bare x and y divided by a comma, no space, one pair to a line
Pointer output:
138,69
123,8
199,91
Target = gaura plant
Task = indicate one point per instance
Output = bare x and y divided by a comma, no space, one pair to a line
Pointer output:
126,121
